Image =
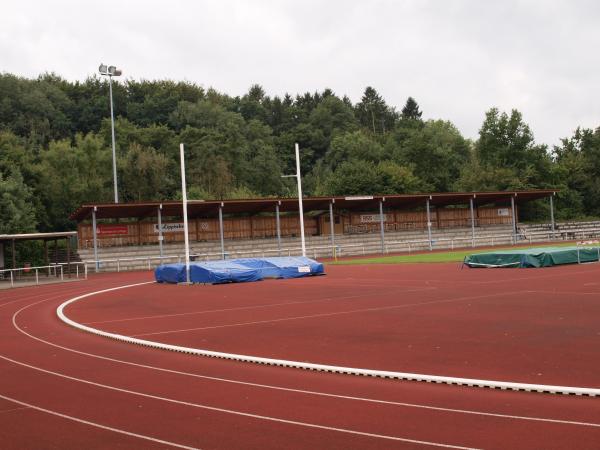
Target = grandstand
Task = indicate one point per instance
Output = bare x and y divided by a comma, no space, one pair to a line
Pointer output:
142,235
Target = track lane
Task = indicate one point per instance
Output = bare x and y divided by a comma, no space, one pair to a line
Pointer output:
339,383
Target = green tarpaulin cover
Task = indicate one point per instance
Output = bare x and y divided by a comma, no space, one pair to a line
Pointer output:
534,257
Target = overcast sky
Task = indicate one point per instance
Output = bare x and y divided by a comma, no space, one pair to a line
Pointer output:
456,58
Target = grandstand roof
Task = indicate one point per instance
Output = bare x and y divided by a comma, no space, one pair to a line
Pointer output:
37,236
208,208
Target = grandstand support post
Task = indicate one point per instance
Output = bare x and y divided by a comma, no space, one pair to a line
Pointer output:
382,226
278,226
160,232
68,242
472,223
221,231
514,219
185,216
552,225
14,255
95,238
332,228
429,224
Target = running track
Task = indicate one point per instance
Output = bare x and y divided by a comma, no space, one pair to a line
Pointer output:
61,388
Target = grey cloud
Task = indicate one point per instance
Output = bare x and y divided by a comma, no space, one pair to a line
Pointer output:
457,58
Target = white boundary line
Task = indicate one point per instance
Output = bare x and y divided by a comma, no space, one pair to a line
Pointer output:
299,391
209,408
492,384
94,424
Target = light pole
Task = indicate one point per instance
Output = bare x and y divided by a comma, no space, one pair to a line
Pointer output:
112,71
298,177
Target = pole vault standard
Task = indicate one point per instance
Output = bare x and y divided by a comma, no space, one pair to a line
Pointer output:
185,216
300,209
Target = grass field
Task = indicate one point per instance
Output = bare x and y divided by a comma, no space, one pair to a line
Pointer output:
437,257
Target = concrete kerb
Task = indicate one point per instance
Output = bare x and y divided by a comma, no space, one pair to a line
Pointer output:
490,384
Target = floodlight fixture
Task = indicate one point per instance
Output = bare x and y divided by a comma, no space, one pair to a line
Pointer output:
112,71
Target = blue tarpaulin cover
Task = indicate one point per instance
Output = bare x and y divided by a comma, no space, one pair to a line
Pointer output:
240,270
284,266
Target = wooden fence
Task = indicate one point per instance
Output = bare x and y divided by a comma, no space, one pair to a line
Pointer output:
207,229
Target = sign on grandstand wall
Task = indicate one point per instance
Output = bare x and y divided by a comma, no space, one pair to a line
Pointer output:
111,229
370,218
175,227
504,212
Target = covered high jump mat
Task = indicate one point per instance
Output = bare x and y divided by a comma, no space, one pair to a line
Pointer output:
534,257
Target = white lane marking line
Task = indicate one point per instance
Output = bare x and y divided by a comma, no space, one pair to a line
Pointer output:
558,421
565,292
300,391
338,313
94,424
229,411
5,411
552,275
241,308
494,384
43,294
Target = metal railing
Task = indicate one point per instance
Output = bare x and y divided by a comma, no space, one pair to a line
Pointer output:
32,275
339,250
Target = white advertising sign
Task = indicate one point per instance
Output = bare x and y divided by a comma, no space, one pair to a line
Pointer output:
503,212
359,197
170,228
371,218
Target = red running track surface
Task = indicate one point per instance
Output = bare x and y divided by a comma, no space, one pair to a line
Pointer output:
508,325
61,388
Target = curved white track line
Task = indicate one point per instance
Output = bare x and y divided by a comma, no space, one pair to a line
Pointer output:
493,384
215,409
299,391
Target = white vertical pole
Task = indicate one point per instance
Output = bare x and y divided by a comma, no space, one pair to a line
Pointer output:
95,235
552,214
301,210
185,217
332,229
278,227
160,232
514,219
114,153
221,231
429,225
472,223
382,226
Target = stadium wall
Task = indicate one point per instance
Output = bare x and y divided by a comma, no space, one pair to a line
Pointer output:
251,227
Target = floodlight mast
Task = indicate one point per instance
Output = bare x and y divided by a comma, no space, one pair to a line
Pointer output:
112,71
298,177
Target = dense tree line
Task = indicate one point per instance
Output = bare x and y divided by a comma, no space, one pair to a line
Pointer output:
55,148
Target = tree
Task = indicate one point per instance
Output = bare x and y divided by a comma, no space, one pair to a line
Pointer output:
436,151
506,145
144,174
374,114
17,212
411,110
71,175
351,146
364,177
577,170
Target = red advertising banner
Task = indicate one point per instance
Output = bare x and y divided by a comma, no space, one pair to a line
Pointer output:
111,229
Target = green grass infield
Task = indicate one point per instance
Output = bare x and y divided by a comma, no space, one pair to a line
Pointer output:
436,256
